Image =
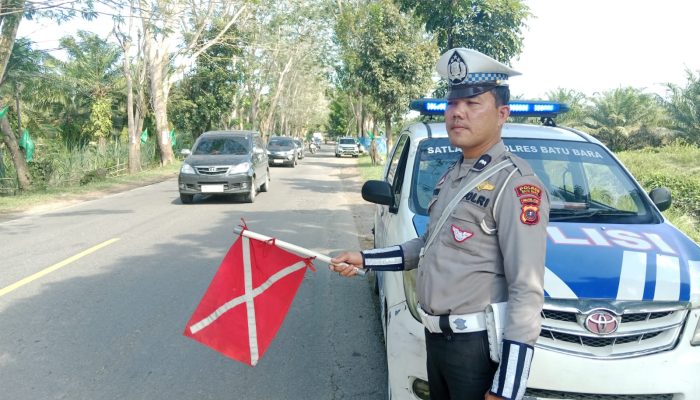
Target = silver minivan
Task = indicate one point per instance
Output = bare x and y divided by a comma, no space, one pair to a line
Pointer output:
225,162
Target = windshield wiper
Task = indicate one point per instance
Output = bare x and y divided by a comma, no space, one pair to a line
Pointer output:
559,214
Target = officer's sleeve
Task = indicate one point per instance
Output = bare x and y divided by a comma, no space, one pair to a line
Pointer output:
522,215
394,258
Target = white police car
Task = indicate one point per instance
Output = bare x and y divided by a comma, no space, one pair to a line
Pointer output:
622,285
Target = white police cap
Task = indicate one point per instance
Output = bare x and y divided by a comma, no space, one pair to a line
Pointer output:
470,73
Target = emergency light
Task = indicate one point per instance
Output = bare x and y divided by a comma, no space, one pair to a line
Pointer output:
518,108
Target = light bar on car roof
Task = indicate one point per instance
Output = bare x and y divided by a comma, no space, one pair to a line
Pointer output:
518,108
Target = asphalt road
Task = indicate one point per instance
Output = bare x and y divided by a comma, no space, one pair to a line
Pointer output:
119,277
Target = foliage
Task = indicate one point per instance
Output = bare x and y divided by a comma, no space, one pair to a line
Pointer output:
683,106
673,166
100,123
620,114
393,71
577,102
203,100
338,119
494,27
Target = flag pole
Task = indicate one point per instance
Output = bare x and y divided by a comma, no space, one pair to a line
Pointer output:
291,247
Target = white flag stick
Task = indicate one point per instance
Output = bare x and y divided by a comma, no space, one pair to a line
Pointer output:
289,246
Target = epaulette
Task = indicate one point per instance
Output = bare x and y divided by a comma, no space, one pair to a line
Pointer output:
523,167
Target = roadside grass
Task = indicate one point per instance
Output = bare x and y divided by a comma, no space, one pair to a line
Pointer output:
25,201
367,170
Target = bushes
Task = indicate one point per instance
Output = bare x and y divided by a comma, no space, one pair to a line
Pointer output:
676,168
673,166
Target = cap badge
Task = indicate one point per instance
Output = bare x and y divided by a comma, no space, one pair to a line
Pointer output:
460,235
456,69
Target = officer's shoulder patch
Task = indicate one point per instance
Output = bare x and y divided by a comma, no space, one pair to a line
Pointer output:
528,189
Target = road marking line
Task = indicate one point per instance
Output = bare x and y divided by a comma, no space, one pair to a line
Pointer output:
55,267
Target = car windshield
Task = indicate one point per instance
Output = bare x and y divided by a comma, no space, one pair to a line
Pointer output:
347,141
280,144
221,146
584,182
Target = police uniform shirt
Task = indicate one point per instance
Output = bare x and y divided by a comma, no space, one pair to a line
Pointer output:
490,250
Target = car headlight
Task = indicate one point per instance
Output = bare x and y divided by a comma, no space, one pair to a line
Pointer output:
187,169
238,168
695,341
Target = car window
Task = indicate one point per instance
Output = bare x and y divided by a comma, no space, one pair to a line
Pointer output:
222,146
347,141
585,183
433,158
280,144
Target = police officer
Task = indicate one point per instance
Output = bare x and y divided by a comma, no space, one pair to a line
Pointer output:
489,247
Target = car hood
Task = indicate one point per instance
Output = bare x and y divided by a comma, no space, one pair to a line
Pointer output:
617,262
223,159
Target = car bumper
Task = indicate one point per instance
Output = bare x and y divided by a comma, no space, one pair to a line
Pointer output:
673,373
221,184
346,152
280,160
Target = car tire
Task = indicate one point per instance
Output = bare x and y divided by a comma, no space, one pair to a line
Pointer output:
186,198
337,155
355,155
250,197
266,186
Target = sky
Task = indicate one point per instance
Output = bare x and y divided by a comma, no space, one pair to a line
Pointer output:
598,45
587,45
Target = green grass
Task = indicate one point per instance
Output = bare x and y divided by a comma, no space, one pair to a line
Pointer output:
367,170
24,201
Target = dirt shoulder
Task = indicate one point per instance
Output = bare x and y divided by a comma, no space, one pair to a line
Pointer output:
48,202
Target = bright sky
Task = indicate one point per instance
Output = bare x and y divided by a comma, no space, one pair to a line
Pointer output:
587,45
598,45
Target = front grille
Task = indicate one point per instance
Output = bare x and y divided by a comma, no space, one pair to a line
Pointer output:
552,394
212,170
644,328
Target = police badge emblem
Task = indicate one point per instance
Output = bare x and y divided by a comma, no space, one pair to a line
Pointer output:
457,69
460,235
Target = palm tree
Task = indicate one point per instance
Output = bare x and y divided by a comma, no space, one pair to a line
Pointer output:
577,102
617,115
684,108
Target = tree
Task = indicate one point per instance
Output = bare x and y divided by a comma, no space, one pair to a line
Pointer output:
493,27
165,24
339,118
620,114
393,71
92,76
683,105
577,102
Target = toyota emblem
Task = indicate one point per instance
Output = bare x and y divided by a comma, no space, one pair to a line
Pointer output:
602,322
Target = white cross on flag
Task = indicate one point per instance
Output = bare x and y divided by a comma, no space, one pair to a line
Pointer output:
247,300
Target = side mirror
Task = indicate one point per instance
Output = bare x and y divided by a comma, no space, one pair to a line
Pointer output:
185,152
661,197
378,192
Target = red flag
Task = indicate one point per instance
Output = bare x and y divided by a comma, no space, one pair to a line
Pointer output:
247,300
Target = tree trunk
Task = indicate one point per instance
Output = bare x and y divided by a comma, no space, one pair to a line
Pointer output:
156,58
9,23
387,131
23,177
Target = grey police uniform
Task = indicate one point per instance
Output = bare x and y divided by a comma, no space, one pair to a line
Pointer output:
490,250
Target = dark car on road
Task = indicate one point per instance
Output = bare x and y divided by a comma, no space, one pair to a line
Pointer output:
282,151
300,148
225,162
